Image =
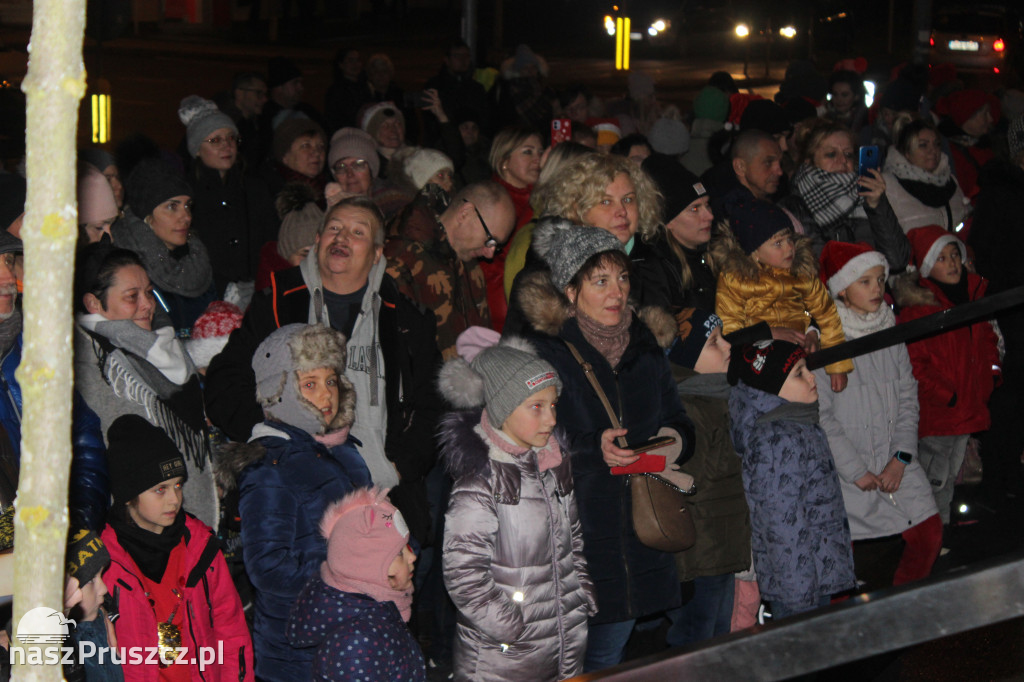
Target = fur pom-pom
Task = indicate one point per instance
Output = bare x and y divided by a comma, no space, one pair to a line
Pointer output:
460,385
293,197
518,343
193,107
546,231
360,497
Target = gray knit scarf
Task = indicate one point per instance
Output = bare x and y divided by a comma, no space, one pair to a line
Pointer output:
147,368
186,271
706,385
802,413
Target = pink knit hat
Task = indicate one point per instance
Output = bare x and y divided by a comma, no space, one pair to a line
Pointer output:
364,533
95,197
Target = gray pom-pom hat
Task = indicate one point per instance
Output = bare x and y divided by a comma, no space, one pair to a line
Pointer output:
565,247
499,378
201,118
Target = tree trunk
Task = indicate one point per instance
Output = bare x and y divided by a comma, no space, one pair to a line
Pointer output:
53,87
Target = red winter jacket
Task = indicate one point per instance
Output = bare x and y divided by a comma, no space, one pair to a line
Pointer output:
213,612
963,361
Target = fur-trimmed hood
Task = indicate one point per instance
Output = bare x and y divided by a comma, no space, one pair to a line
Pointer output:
728,256
232,459
465,454
907,290
546,309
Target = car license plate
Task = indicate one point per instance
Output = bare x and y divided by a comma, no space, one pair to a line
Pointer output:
964,45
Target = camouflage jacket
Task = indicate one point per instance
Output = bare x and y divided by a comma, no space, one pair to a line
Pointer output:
427,270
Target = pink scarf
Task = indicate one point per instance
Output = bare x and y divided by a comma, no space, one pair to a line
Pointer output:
609,341
403,600
548,457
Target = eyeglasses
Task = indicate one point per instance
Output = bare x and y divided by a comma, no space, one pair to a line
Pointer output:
220,139
12,260
491,242
357,166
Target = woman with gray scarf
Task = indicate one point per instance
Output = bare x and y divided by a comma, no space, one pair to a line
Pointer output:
156,226
128,361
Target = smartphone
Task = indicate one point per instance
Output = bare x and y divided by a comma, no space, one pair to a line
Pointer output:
652,444
561,130
868,160
645,464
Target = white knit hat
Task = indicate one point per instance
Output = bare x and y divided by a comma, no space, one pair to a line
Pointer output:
423,164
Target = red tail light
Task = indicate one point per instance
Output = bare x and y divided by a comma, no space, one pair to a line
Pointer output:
931,41
998,45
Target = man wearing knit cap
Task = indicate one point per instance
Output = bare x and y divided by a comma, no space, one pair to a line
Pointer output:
435,259
285,90
392,355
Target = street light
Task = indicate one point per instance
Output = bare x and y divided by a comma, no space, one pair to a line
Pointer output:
787,32
742,30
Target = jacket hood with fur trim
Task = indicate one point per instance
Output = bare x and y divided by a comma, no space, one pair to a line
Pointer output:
546,309
728,256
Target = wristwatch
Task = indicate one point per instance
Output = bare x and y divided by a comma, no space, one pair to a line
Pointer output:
904,457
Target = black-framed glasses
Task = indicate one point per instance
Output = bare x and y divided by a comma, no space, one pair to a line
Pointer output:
491,242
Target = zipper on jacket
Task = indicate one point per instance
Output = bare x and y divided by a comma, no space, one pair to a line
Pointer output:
627,515
191,631
552,528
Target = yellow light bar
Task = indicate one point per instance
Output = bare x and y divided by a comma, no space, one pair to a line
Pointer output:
100,118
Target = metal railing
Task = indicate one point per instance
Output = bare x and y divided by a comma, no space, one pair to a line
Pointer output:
861,627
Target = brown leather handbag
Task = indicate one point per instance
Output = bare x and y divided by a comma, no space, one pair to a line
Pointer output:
660,517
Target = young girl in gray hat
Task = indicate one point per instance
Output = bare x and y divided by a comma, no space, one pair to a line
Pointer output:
513,547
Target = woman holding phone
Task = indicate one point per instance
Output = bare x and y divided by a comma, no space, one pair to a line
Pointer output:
834,202
581,304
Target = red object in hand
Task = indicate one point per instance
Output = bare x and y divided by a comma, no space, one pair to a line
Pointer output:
646,464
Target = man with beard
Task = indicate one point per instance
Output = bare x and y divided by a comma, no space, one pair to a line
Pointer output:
392,355
90,484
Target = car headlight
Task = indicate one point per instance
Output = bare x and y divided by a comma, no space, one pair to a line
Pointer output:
787,32
742,30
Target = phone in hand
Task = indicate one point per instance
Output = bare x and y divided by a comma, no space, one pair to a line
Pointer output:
646,463
867,160
561,130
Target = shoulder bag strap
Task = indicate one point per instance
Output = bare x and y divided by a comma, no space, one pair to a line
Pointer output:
588,371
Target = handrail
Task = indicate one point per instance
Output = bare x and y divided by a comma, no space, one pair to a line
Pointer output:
861,627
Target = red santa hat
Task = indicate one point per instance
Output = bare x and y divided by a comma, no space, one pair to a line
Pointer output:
927,243
842,263
210,332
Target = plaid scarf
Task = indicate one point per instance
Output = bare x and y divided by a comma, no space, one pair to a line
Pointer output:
829,197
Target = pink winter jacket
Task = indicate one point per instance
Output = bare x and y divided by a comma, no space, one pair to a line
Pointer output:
213,612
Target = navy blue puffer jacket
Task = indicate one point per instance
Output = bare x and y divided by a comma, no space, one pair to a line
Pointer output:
89,487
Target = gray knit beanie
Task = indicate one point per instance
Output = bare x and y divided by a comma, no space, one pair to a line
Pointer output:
500,378
565,247
201,117
299,348
353,142
300,218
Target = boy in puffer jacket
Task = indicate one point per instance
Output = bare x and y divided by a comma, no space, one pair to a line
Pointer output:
513,544
355,609
799,533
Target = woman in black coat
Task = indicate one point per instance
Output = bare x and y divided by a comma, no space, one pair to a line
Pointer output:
583,302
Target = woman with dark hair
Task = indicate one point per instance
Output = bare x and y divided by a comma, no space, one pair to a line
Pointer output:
834,203
919,180
128,361
846,105
231,212
582,304
157,227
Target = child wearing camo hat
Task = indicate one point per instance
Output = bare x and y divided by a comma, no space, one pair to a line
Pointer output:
513,545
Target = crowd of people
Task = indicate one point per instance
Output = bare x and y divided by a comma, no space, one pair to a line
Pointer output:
359,390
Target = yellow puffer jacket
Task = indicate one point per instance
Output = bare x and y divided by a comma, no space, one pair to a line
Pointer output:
750,292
